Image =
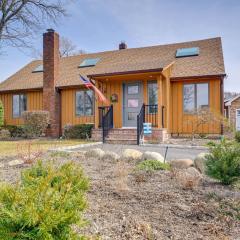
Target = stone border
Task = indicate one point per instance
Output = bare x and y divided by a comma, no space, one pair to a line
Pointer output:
175,146
75,146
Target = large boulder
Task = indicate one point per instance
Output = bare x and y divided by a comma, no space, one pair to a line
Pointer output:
193,172
199,162
181,163
111,156
153,156
95,153
132,155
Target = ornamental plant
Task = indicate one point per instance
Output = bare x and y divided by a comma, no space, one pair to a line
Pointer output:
45,205
223,162
35,122
1,114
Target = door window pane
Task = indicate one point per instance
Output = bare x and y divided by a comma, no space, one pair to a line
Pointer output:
189,98
132,103
202,95
131,116
133,89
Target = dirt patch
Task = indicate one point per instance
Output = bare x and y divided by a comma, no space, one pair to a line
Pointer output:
124,204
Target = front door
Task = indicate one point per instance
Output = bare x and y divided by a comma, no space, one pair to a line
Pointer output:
238,119
132,103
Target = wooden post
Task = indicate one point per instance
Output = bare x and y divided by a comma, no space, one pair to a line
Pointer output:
96,118
160,100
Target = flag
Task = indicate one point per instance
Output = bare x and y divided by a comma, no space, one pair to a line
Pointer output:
88,84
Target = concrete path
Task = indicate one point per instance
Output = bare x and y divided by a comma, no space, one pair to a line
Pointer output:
173,152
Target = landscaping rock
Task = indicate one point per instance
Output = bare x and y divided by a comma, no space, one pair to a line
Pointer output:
132,154
15,163
95,153
110,156
153,156
181,163
1,165
199,162
193,172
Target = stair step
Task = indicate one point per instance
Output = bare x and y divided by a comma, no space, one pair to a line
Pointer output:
122,141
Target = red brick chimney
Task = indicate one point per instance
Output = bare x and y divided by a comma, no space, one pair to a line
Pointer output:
51,97
122,45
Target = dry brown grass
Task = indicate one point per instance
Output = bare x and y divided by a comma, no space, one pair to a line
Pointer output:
185,179
121,172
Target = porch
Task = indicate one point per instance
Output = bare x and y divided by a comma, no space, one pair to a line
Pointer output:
134,99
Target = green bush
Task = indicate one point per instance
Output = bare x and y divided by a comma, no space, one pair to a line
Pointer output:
35,123
152,165
223,162
15,131
80,131
45,205
1,114
237,136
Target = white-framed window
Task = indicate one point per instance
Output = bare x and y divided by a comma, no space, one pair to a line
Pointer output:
19,105
195,97
84,103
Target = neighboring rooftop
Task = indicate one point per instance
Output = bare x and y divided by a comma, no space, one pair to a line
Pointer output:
208,62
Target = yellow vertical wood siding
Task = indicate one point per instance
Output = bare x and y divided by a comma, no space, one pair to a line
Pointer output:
34,102
68,109
184,123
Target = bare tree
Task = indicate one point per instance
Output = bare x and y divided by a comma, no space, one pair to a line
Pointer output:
67,48
20,19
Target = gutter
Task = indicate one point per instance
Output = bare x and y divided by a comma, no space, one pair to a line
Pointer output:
125,73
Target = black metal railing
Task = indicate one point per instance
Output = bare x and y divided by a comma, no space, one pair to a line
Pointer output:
140,121
101,112
107,122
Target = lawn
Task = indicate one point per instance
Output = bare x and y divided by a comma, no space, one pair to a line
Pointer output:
11,148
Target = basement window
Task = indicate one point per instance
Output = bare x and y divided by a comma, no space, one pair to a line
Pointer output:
89,62
19,105
187,52
38,69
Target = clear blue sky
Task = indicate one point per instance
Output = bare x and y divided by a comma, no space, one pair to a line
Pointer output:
98,25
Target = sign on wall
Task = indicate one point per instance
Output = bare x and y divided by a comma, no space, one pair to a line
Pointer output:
147,128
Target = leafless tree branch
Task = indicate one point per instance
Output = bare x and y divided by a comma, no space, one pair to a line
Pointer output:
20,19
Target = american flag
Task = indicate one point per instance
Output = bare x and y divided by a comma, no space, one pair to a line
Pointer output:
90,85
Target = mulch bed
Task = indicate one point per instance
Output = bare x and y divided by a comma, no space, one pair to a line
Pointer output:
152,205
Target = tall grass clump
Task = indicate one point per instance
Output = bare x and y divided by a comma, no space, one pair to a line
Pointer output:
45,204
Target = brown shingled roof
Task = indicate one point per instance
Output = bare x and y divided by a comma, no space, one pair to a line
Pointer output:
209,62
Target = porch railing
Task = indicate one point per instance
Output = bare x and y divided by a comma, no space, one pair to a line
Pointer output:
107,121
148,113
140,121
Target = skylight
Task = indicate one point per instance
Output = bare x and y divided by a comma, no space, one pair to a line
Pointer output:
39,68
89,62
187,52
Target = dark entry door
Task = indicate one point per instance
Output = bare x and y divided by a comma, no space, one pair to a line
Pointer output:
132,103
